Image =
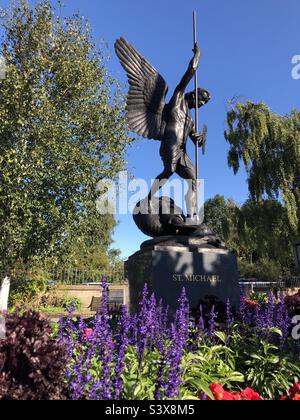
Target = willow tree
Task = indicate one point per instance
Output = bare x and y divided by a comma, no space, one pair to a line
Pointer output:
263,232
269,146
223,217
62,129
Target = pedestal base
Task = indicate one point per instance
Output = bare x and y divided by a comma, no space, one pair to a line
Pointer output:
167,269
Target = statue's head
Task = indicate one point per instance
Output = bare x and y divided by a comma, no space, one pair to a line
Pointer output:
203,98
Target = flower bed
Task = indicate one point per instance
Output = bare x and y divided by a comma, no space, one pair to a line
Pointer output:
146,357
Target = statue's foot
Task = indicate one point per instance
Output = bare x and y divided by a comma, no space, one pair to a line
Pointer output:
192,220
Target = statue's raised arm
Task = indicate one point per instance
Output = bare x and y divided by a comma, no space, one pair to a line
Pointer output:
190,73
147,93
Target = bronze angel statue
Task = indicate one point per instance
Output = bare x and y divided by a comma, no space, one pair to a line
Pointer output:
171,123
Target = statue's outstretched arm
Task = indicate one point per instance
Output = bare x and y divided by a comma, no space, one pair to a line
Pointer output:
189,74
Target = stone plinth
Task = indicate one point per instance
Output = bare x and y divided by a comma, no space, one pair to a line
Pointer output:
202,272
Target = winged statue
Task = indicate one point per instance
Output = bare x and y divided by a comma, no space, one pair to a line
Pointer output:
150,116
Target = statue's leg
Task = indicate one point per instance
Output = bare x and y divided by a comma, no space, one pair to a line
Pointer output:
186,170
162,179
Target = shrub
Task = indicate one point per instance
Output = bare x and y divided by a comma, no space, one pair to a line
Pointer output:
263,270
259,297
27,289
32,364
51,298
72,303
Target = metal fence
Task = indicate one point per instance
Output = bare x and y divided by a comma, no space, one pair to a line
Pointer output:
73,276
284,284
291,282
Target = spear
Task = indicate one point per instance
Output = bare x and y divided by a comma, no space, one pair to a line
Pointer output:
196,112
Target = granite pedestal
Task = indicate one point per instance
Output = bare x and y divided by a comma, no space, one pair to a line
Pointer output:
203,272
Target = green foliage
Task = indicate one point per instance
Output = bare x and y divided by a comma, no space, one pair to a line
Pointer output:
264,233
221,216
209,365
62,130
257,232
267,368
269,146
55,304
26,289
200,369
139,383
268,372
259,297
262,270
73,302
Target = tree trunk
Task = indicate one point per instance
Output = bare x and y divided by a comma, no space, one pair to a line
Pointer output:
4,293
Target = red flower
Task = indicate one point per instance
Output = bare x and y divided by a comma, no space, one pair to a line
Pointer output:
251,302
237,396
250,395
295,389
293,394
221,395
228,396
218,391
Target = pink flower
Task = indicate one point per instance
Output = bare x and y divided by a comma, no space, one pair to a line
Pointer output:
87,333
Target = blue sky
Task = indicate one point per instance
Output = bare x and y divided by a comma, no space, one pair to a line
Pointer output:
247,48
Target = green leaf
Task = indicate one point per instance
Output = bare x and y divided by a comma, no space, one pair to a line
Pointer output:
221,336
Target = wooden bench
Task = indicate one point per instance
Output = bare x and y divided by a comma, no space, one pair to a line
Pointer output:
95,304
115,303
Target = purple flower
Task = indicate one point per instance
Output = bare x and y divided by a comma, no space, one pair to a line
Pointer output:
270,311
153,321
160,325
179,336
212,323
102,338
143,326
77,382
182,318
229,320
67,332
160,384
283,321
243,309
133,330
246,312
122,340
147,325
174,359
201,324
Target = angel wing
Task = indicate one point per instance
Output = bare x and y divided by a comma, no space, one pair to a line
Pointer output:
147,93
